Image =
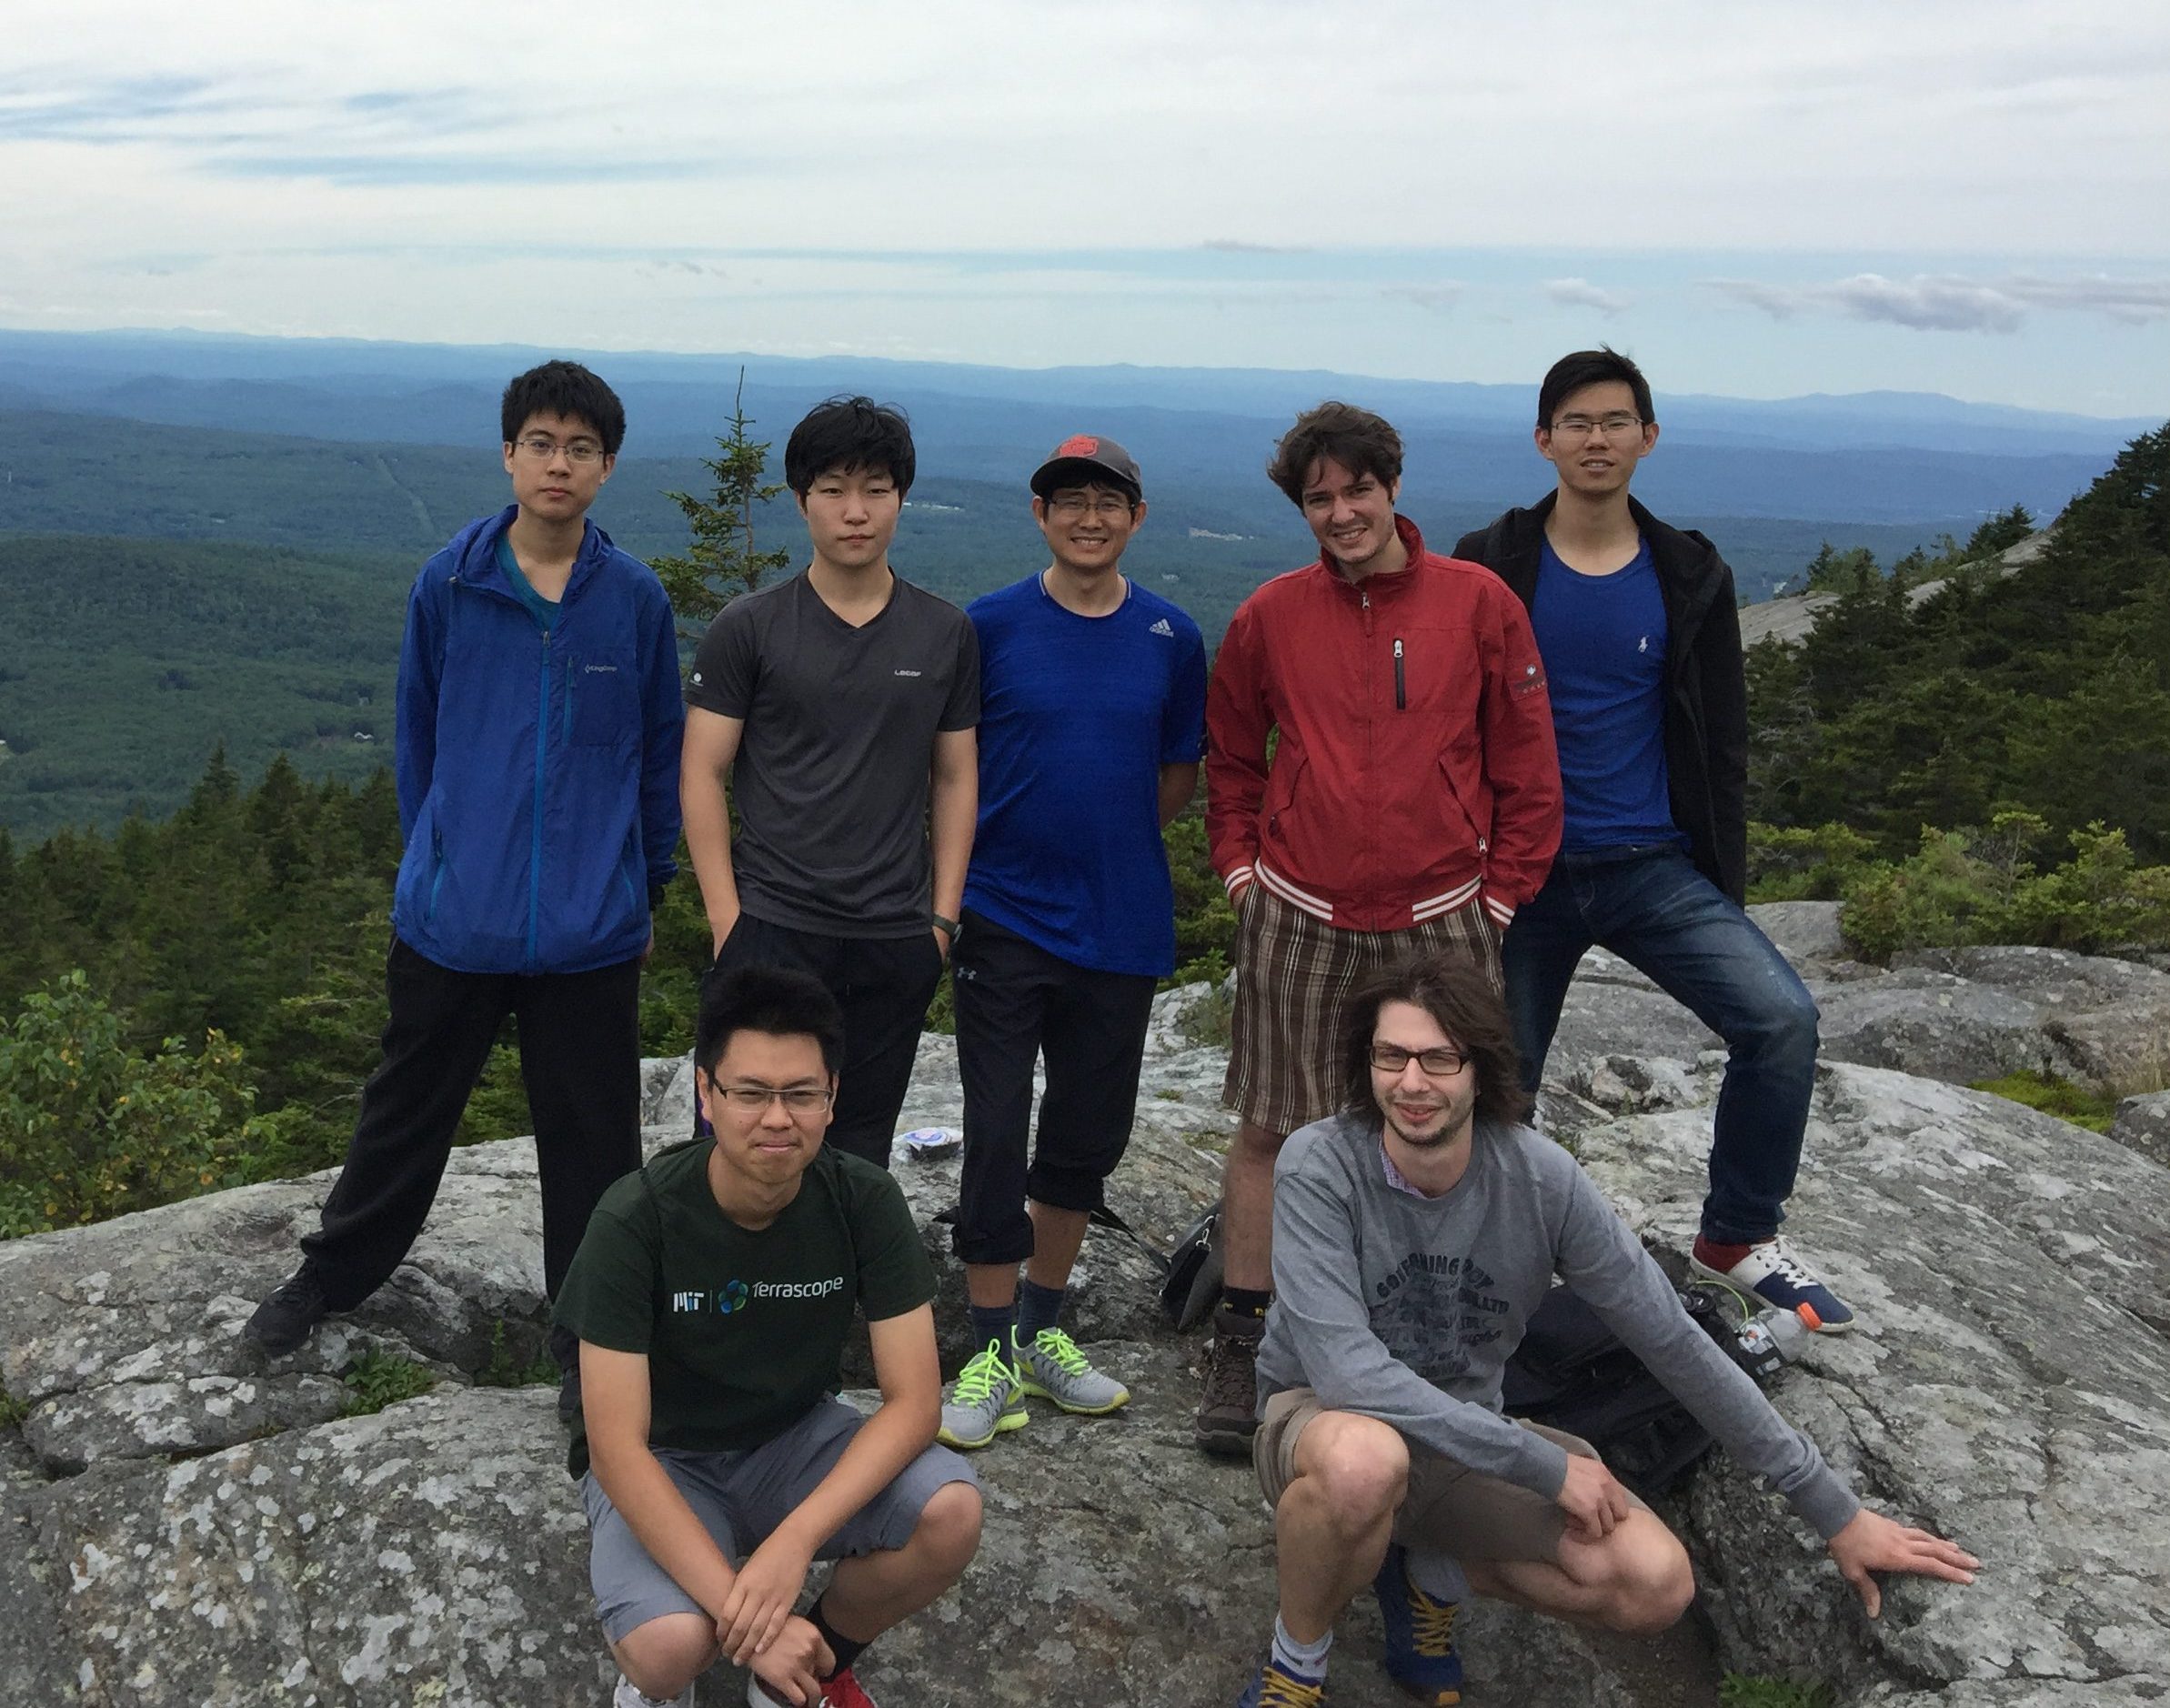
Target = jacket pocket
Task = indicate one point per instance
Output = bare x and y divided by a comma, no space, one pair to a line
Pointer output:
1284,785
601,703
1459,815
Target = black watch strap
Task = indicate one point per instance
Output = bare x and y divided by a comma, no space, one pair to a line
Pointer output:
948,927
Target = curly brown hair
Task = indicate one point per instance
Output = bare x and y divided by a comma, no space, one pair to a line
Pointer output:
1362,442
1459,994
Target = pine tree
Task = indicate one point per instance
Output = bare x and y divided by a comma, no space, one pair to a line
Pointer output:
722,561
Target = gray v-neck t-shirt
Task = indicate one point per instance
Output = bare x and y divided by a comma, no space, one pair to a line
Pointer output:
831,777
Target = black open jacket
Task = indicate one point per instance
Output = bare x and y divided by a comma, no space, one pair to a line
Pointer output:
1706,693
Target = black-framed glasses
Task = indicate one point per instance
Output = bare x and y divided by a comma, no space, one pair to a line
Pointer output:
1442,1063
1069,506
1613,427
541,449
796,1100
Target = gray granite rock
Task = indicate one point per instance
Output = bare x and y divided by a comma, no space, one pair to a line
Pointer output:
1804,931
2009,1385
1931,1023
2143,1124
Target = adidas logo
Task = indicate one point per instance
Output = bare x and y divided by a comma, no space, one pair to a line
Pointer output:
1162,628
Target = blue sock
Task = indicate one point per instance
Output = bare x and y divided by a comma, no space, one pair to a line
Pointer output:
1038,1308
1304,1660
1439,1575
993,1322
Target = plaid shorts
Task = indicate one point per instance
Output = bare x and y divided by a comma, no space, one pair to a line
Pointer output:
1294,975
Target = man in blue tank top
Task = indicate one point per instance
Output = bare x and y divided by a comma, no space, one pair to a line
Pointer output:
1636,622
1092,724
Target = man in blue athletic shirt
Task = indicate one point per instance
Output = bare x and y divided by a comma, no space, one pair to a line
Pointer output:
1636,623
1091,726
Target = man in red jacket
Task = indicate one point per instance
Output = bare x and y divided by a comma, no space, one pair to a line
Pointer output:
1411,804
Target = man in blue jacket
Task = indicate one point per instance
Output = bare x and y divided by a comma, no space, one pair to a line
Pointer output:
540,725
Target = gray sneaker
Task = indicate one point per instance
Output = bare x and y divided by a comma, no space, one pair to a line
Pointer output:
985,1399
1051,1368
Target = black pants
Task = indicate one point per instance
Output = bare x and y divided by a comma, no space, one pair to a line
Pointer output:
580,1058
883,985
1016,1004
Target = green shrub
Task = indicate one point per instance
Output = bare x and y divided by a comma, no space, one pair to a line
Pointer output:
1805,864
1965,886
89,1129
381,1379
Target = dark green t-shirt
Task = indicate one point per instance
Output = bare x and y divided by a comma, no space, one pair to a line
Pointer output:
743,1329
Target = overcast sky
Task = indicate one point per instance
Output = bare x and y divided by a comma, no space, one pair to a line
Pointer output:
1756,199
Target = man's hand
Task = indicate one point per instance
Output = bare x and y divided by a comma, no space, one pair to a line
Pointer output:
1235,896
647,953
1871,1542
795,1663
1592,1499
761,1597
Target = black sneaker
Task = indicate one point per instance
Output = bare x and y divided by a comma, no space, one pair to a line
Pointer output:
1227,1410
283,1321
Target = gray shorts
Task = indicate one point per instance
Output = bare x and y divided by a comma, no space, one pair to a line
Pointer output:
741,1498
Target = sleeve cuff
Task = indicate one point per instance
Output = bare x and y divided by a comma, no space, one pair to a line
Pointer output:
1502,915
1238,878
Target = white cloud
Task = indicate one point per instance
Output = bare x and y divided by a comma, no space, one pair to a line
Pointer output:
1580,293
1949,302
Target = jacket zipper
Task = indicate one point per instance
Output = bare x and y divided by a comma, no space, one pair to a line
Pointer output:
542,745
1400,683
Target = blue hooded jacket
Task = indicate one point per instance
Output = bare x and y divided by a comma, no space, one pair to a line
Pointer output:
538,772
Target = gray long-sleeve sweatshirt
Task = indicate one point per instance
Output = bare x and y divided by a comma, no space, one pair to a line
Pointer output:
1406,1307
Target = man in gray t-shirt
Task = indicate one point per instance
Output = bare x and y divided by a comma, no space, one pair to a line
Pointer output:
1413,1235
842,703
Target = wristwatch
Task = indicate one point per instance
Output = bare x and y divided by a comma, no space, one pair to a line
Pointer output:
948,927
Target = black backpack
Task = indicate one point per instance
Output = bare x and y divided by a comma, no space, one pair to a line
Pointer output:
1572,1374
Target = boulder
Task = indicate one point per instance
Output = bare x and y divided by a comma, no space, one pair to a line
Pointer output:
2143,1124
1804,931
178,1526
2009,1386
1934,1024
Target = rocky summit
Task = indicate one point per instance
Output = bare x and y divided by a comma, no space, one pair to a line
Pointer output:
181,1523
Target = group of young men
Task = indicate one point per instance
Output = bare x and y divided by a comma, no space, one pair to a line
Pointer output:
1433,783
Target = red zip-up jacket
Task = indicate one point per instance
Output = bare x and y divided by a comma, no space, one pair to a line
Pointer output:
1415,765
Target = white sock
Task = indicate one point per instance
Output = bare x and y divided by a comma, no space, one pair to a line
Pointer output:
1439,1575
1306,1660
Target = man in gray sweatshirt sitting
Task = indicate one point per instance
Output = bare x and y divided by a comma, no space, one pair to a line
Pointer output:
1413,1235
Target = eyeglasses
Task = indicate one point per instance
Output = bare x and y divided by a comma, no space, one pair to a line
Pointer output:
1444,1063
1613,427
796,1100
541,449
1069,506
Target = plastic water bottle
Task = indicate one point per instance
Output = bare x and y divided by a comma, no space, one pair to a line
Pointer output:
1773,1338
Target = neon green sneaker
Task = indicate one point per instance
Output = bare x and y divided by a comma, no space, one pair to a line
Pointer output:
1051,1368
985,1399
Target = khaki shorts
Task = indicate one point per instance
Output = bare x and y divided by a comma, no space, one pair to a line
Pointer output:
1448,1508
1294,976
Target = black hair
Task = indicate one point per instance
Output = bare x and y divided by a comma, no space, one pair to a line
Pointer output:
1570,374
1457,993
849,434
567,389
1362,442
780,1000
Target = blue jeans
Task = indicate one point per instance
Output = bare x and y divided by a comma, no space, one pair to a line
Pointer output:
1652,908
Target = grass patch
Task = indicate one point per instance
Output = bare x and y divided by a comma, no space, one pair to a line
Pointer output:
502,1371
1744,1690
12,1410
2053,1096
379,1379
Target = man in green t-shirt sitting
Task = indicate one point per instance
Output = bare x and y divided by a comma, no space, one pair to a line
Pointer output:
712,1297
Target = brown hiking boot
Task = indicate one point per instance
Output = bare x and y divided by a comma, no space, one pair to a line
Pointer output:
1227,1414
